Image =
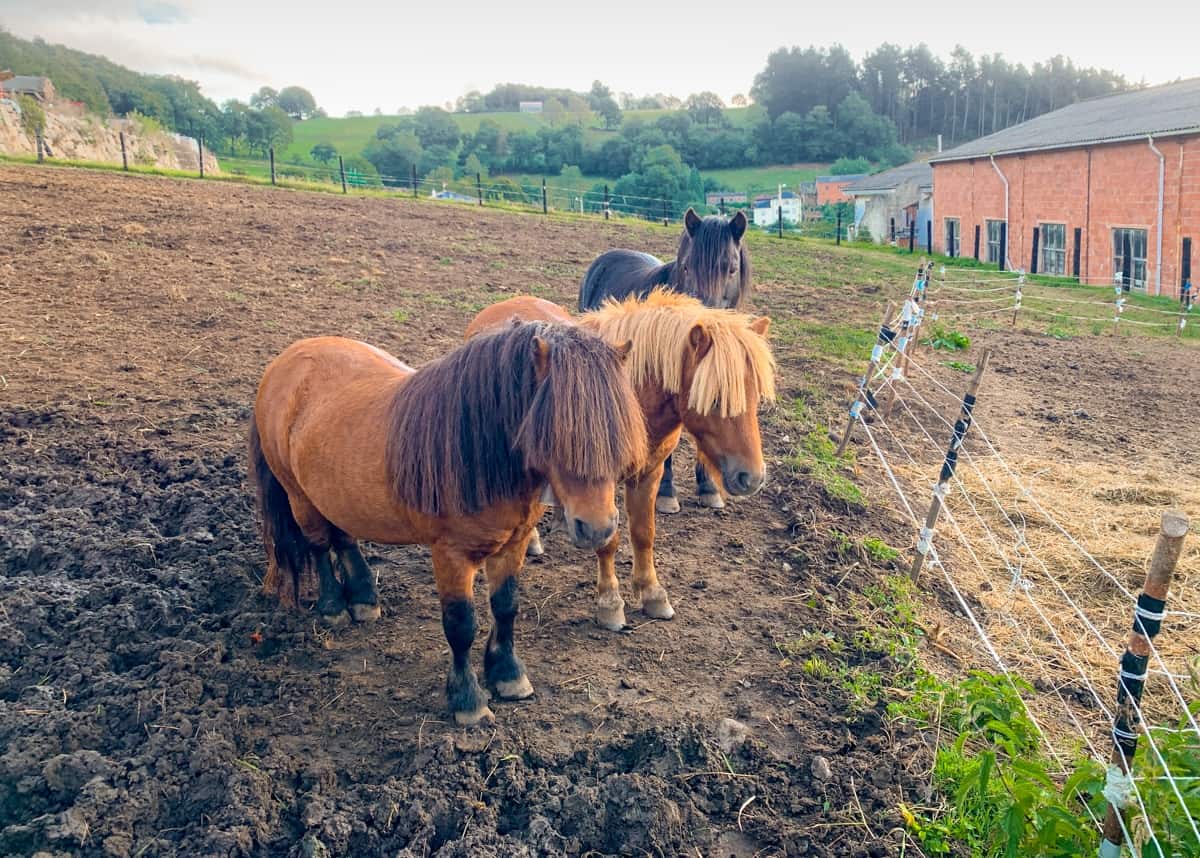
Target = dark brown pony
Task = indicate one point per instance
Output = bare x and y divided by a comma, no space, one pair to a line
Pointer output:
348,443
712,264
694,369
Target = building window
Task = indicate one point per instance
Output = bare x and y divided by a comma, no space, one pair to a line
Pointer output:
1054,249
1131,273
995,250
953,237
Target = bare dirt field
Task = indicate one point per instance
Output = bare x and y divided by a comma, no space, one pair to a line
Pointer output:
153,702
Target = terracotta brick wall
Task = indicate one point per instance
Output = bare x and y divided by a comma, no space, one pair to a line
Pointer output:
833,192
1096,189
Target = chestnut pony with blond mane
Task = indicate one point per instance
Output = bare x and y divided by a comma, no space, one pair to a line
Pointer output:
348,443
693,368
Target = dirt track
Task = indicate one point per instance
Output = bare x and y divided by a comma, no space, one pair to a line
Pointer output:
152,702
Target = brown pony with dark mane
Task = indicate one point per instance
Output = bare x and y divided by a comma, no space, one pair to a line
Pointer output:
712,264
349,443
695,369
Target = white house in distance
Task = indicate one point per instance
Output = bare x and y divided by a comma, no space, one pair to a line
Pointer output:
529,106
767,208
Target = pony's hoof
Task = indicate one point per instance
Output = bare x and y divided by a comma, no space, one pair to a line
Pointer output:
363,613
610,613
515,689
712,501
656,605
481,716
666,504
535,549
334,619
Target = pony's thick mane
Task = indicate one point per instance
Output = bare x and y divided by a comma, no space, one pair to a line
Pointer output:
475,428
705,252
659,327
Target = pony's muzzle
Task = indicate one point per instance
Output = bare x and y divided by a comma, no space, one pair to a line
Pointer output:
741,481
586,535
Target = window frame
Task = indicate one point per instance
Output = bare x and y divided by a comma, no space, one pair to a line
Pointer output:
1044,261
1142,263
952,237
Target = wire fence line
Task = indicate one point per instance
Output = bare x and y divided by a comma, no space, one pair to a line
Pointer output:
1031,579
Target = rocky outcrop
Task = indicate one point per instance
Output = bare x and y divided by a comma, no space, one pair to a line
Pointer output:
86,137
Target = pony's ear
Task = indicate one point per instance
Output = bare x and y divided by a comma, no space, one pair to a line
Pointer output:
692,221
737,225
541,357
623,350
700,341
760,326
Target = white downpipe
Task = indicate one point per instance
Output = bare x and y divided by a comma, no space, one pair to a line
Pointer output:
1007,226
1162,172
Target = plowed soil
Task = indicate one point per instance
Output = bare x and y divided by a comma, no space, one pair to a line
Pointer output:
154,702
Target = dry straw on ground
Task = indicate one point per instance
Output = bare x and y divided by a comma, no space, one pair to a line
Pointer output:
1030,576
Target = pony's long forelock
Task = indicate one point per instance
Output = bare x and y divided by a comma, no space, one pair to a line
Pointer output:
704,252
659,328
477,427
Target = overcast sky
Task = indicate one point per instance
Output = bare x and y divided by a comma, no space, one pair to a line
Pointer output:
360,55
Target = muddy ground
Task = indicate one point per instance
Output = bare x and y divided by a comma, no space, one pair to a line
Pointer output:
153,702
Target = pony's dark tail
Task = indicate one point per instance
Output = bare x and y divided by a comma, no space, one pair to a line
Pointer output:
288,551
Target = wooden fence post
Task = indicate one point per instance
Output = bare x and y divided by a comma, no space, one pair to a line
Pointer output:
124,157
1147,620
961,425
545,202
342,171
271,152
200,150
864,396
41,155
479,187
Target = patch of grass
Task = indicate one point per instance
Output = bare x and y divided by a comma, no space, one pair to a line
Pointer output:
960,366
947,339
816,456
841,344
878,550
1059,333
236,296
400,316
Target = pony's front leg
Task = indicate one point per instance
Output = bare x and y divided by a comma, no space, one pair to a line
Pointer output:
639,503
610,607
455,578
667,502
710,494
503,670
359,580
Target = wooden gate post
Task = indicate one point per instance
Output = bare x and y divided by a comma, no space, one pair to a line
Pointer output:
1147,621
863,395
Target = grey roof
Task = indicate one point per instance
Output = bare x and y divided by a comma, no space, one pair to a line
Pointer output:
849,177
1166,110
24,83
917,171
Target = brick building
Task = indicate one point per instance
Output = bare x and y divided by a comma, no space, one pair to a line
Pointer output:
832,189
1105,190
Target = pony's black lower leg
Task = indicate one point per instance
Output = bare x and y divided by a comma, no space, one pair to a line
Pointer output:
502,668
467,701
359,586
667,501
331,603
710,495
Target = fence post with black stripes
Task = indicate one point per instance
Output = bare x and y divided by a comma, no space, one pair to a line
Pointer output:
961,425
1147,622
864,396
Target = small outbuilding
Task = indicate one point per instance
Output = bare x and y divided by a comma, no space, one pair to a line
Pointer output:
890,204
39,88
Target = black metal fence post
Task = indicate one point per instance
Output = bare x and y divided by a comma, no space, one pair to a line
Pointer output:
779,220
124,157
271,152
200,150
479,187
838,236
606,202
342,171
414,181
545,202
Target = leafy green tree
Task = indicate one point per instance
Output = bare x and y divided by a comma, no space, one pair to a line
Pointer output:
435,127
268,127
865,131
265,97
297,102
323,152
705,107
849,166
394,153
234,122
